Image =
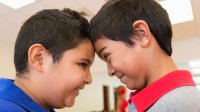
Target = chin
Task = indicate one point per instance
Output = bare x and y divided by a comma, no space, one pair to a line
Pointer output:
69,105
66,104
70,102
131,88
59,106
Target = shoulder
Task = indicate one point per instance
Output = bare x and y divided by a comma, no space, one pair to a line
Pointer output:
9,106
184,99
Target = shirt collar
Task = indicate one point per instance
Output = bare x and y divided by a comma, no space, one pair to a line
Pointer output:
12,93
146,97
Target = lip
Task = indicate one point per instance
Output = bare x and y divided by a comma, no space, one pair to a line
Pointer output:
77,92
122,80
79,88
120,76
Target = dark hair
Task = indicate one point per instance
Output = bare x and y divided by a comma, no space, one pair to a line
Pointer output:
114,21
56,30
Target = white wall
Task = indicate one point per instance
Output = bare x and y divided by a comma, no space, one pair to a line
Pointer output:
6,60
186,50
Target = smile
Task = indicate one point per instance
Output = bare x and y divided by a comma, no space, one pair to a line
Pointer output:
77,91
121,76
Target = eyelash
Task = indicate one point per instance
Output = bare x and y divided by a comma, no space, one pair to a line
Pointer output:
105,56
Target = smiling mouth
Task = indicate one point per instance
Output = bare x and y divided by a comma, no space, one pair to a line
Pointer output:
79,88
121,76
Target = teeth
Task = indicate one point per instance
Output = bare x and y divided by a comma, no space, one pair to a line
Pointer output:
80,87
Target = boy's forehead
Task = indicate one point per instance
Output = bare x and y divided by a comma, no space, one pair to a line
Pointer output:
99,44
102,44
86,50
78,55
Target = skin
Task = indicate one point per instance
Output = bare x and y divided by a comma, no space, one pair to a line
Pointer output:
56,85
139,65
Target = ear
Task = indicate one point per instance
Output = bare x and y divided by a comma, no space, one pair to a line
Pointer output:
36,55
142,32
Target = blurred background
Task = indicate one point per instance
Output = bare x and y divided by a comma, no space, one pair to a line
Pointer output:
100,95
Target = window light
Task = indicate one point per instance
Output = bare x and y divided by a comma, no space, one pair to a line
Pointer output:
196,70
194,63
198,87
179,10
196,79
16,4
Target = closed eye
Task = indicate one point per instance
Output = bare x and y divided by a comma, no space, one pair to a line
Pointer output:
83,65
105,56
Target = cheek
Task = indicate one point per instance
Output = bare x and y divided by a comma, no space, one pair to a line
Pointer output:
72,92
70,89
64,93
136,78
133,64
135,73
64,87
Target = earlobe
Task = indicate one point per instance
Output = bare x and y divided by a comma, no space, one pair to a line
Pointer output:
35,56
142,32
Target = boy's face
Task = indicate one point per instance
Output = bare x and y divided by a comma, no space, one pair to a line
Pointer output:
125,62
64,79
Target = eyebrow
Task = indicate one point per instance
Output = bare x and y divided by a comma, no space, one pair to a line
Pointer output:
101,50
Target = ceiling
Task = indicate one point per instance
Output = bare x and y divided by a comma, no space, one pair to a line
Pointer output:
11,21
189,29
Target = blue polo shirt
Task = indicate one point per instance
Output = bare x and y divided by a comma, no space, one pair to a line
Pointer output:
13,99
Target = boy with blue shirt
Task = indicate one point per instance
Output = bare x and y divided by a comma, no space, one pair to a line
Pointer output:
53,56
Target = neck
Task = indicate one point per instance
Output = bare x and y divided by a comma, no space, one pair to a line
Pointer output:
22,84
162,66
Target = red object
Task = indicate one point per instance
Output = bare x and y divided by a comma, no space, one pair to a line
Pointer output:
124,106
148,96
122,91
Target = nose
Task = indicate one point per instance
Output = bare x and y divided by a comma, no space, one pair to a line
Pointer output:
111,70
88,78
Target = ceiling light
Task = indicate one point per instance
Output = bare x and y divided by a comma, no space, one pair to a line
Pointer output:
16,4
179,10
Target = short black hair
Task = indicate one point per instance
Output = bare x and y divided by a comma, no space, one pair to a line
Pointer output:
57,30
114,21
